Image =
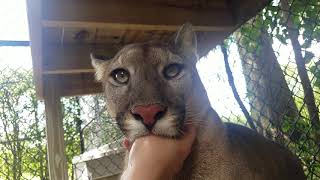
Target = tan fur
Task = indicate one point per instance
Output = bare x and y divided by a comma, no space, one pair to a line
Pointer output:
221,151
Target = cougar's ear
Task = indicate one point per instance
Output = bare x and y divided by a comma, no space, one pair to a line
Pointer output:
99,63
185,41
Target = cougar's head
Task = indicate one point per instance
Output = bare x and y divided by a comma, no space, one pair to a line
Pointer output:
148,86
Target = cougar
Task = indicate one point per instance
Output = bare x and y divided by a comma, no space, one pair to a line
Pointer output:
155,88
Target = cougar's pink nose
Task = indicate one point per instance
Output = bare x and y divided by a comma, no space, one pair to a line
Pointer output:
149,113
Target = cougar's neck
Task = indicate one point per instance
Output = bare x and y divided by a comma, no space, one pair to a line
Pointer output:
197,101
209,121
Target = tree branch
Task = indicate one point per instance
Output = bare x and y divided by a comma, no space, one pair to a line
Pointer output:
234,89
293,33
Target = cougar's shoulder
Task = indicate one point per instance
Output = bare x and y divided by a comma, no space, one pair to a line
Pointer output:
238,152
264,158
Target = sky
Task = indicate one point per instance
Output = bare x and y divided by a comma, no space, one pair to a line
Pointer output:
13,18
14,26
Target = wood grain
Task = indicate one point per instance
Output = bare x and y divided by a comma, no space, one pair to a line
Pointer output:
55,133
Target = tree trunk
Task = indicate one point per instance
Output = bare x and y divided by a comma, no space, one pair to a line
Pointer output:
269,95
78,125
16,150
293,33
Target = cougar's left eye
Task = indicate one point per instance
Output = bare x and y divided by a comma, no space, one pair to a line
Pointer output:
120,76
172,70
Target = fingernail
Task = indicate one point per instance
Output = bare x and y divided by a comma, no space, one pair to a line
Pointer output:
126,144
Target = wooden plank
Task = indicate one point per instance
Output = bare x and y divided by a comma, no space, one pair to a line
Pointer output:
82,36
55,133
73,59
77,70
75,84
140,12
126,26
34,20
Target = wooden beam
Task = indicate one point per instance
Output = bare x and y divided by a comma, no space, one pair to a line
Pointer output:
35,30
68,71
75,84
136,13
118,26
55,133
73,59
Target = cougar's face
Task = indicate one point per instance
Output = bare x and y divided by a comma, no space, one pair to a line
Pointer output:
146,87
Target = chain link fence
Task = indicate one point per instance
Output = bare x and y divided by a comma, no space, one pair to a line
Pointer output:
268,74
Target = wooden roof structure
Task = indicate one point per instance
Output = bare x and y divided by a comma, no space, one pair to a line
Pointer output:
64,32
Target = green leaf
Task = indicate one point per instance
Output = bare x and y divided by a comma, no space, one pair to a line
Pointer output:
315,71
316,35
282,39
308,57
306,44
273,8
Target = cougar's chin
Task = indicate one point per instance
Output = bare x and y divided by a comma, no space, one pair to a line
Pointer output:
169,127
135,129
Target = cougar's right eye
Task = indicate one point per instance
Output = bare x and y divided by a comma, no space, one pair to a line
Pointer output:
172,70
120,76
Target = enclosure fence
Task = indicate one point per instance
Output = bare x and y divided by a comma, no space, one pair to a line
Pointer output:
268,73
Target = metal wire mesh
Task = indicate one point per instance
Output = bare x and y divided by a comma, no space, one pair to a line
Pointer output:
279,59
262,86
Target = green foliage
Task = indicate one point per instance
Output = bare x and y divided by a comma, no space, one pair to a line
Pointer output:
308,56
22,127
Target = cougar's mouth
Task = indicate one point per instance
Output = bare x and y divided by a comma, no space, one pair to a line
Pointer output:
170,125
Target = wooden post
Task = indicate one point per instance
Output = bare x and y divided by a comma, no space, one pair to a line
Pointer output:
55,135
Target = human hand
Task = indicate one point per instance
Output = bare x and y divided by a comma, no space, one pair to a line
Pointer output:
154,157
